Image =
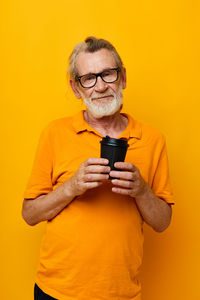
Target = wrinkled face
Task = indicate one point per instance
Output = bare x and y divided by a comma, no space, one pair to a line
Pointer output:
103,99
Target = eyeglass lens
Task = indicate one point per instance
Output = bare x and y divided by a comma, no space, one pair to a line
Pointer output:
108,76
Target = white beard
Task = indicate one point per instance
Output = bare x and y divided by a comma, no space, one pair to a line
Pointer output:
98,110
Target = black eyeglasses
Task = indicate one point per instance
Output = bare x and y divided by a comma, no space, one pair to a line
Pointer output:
108,76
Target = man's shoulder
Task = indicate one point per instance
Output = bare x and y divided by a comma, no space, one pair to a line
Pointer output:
55,125
152,130
148,131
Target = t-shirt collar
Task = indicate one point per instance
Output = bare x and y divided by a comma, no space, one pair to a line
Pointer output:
133,129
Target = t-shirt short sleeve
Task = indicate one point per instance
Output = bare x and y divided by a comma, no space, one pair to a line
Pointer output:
40,180
161,182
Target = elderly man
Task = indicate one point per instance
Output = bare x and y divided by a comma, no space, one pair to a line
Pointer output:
93,244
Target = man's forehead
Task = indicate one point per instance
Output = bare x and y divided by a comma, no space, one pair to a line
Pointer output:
95,62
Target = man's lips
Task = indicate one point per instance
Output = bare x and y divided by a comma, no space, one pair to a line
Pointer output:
101,97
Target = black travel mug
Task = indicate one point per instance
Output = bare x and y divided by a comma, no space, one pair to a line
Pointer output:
114,150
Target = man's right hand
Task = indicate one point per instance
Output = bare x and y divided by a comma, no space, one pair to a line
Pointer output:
90,174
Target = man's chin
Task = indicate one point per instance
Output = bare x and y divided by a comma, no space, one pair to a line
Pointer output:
99,115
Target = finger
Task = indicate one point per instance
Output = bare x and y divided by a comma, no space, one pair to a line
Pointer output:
91,185
123,183
123,175
97,169
96,177
121,191
125,166
96,161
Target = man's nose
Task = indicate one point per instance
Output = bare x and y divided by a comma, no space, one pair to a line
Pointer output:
100,85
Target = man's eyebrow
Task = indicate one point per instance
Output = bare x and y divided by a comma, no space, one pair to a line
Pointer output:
105,69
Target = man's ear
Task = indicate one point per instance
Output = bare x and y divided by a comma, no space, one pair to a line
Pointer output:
124,78
76,92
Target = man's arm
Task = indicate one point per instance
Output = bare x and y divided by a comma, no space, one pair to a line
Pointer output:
46,207
90,174
155,211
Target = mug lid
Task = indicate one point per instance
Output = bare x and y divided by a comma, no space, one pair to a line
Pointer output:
114,142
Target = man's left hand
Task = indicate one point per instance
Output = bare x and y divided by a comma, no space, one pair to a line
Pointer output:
128,180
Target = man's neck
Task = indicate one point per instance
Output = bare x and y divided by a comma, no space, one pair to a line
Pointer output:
109,125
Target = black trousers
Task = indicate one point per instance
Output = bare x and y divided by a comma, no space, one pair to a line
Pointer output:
40,295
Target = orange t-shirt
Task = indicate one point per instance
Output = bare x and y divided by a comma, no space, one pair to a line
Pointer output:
93,248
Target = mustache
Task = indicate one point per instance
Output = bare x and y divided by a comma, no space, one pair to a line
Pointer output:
102,96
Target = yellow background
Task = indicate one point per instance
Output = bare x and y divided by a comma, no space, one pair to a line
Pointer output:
159,44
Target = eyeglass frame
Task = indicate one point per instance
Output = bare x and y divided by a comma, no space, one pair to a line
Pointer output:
99,75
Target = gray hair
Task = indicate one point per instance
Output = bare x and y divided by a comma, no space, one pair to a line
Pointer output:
91,44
